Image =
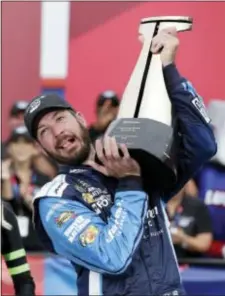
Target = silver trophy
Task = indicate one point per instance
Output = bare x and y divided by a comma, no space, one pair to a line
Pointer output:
144,121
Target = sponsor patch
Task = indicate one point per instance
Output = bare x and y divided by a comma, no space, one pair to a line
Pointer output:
77,171
89,235
200,106
116,228
88,197
54,188
80,188
54,208
76,227
64,217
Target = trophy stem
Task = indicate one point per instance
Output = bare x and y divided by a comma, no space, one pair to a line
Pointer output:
145,74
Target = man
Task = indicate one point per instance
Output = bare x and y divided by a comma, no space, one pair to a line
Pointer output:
14,253
191,227
99,217
106,111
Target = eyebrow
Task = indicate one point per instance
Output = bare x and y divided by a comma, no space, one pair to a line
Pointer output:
53,116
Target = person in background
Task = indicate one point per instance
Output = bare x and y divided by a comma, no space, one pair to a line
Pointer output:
211,181
40,161
190,227
14,254
191,189
16,118
20,182
106,111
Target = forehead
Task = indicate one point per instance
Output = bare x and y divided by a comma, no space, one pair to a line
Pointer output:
48,117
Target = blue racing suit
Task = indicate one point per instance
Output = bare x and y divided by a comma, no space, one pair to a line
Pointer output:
117,240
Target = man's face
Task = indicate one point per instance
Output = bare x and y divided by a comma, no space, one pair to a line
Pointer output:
64,137
16,120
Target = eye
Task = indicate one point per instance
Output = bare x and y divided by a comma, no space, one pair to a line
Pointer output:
59,118
43,131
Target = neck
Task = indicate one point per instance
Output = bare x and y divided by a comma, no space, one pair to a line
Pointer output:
91,156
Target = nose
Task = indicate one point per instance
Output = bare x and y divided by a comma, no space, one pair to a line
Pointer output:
57,130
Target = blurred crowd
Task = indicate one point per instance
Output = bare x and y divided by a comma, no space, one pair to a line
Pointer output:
196,214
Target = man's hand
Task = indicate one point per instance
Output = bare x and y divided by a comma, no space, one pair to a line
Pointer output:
166,42
114,164
106,115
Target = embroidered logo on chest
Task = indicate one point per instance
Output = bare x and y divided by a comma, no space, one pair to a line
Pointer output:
98,198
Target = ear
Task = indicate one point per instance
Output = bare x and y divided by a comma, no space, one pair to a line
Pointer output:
81,119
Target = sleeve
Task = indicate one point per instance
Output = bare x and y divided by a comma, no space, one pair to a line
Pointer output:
81,236
196,143
203,219
217,249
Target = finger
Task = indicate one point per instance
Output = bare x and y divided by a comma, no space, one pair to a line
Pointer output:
170,30
107,147
98,168
156,44
157,47
115,149
126,154
99,150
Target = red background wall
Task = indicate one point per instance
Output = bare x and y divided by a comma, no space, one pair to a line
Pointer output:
104,47
20,54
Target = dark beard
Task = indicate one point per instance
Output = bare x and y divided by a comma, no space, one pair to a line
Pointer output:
81,156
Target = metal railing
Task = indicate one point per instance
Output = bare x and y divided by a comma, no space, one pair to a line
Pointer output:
215,262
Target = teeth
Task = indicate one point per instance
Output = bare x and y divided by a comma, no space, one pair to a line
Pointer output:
65,142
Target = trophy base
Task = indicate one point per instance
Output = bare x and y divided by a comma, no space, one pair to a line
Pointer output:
152,144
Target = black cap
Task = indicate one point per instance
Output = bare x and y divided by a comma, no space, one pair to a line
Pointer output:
41,105
20,132
108,95
18,107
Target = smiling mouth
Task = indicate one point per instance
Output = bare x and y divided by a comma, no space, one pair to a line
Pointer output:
66,142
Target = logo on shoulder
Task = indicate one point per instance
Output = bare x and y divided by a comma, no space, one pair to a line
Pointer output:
64,217
200,106
89,235
79,188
